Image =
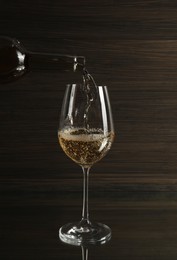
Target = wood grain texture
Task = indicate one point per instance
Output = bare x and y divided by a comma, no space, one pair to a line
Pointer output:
130,46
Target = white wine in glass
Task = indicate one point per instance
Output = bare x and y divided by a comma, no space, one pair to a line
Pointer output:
86,133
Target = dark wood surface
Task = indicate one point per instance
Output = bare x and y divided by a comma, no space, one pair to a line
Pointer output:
130,46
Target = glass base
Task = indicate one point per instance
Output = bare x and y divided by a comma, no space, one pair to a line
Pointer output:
75,234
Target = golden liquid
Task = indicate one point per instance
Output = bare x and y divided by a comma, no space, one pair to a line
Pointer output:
85,147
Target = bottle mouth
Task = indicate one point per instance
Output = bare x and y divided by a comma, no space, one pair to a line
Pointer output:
79,62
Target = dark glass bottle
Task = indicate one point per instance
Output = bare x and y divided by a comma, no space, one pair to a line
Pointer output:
16,61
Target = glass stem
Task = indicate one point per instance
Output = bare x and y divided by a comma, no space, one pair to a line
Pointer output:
84,253
85,210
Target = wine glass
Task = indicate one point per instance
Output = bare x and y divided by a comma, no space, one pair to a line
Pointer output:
86,133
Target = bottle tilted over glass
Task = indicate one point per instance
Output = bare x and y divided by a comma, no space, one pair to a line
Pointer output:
16,61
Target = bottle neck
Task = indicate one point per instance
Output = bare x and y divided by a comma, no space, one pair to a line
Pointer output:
54,62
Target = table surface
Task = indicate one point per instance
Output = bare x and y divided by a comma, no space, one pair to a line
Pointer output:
140,229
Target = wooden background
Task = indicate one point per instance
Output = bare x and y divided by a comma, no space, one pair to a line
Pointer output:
130,46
